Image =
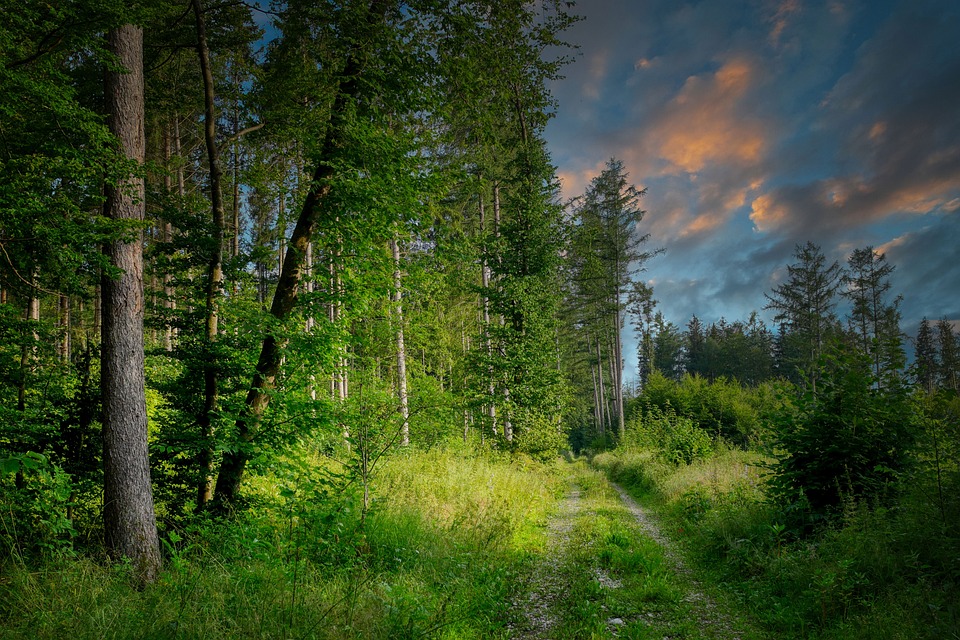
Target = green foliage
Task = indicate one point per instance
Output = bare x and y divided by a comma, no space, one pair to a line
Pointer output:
848,442
438,555
540,438
677,438
877,572
34,498
722,408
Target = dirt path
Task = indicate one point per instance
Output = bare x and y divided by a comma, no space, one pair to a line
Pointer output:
570,558
548,581
708,615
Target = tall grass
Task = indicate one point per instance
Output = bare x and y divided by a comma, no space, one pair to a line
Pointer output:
437,554
876,573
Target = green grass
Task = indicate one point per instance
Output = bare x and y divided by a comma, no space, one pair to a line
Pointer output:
619,583
890,573
444,545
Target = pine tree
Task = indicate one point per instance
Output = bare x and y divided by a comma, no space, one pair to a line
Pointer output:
874,320
926,361
804,309
607,245
949,370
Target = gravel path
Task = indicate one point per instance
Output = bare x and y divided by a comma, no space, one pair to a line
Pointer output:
708,615
548,581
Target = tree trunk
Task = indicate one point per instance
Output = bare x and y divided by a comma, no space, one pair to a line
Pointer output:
130,527
288,282
31,313
618,369
65,342
485,284
401,349
168,301
507,423
603,397
214,267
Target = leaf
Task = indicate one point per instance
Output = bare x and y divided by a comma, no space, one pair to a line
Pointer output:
9,465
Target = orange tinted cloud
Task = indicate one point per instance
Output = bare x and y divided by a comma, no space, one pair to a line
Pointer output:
703,124
766,213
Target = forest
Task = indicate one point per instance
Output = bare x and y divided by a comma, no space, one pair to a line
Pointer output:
301,339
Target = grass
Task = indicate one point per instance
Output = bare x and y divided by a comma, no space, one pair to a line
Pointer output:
890,573
619,582
445,543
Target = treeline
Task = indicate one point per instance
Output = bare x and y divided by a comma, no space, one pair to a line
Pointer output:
812,469
805,320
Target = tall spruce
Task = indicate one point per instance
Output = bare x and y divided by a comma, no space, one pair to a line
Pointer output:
873,318
803,306
926,358
607,245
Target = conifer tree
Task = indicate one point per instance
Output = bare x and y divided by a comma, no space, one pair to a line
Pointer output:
874,319
804,306
926,361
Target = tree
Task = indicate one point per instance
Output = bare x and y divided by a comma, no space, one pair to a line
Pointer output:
607,254
804,309
128,515
926,361
874,321
668,348
949,371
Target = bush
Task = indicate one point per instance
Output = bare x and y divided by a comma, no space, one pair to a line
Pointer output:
848,442
722,408
676,437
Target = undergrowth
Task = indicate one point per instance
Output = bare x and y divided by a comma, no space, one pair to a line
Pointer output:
876,572
436,552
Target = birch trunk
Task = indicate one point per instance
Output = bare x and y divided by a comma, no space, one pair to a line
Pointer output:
401,349
485,285
507,424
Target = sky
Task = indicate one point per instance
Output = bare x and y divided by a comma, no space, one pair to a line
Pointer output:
759,125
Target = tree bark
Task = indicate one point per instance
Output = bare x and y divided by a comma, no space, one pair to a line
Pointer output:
214,267
401,348
485,284
128,515
288,282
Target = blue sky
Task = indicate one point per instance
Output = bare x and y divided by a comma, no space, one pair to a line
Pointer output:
759,125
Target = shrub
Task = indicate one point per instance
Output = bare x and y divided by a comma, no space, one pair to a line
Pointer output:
676,437
848,441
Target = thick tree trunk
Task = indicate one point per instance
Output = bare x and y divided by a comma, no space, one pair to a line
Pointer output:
401,348
129,521
214,266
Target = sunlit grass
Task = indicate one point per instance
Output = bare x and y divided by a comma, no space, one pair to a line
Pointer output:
438,554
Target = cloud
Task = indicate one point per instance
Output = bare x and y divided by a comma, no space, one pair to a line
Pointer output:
705,123
894,131
763,124
781,19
